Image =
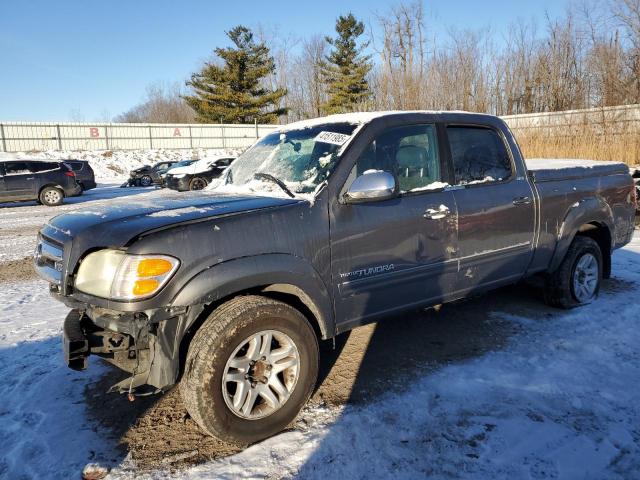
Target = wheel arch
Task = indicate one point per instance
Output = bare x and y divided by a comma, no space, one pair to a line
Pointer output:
286,277
49,184
591,217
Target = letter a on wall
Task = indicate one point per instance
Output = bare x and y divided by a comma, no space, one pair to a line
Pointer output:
176,132
94,132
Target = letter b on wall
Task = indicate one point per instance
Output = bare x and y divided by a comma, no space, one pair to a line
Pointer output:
94,132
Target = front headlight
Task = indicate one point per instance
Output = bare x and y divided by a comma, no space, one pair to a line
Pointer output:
120,276
179,175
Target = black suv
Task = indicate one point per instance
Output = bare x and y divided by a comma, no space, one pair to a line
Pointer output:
84,173
46,182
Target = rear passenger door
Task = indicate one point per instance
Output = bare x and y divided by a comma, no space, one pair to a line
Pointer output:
19,181
496,217
397,253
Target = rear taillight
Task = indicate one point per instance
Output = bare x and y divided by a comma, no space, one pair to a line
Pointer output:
70,174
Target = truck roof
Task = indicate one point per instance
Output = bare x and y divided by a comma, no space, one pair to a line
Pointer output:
364,117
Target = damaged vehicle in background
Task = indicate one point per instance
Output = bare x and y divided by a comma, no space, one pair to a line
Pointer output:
148,175
197,175
635,173
320,227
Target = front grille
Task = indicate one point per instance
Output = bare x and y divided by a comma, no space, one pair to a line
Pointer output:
47,259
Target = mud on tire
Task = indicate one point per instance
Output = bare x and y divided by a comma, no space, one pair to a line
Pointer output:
218,340
559,289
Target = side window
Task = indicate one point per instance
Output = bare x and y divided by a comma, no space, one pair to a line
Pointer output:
409,152
479,155
16,168
36,167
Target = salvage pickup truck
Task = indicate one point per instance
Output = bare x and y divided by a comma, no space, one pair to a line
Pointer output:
320,227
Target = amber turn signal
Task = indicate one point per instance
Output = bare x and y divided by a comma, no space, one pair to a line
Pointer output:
153,267
145,287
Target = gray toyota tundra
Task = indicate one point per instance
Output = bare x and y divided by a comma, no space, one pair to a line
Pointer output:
320,227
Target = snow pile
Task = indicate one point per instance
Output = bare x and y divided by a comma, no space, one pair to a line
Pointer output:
118,163
43,427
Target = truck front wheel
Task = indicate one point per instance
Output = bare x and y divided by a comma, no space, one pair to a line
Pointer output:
250,369
577,280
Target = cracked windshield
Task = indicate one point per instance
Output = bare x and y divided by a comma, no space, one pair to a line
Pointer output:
296,160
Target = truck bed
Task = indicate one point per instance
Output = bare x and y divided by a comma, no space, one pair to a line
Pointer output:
552,169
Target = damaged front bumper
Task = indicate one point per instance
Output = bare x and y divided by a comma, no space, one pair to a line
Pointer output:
147,347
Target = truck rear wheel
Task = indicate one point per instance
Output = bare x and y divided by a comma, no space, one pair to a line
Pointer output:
250,369
577,280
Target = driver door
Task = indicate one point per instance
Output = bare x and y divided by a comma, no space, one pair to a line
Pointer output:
397,253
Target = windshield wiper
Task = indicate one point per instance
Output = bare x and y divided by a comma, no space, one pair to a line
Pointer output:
277,181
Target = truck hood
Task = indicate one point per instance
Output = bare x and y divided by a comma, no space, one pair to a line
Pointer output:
115,224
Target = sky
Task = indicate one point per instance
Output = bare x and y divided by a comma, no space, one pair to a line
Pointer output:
88,60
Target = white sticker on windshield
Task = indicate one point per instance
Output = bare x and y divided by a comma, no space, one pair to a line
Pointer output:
332,137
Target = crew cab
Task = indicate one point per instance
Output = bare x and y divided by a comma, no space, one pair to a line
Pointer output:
47,182
320,227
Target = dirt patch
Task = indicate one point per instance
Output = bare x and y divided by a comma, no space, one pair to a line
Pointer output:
17,270
21,231
366,363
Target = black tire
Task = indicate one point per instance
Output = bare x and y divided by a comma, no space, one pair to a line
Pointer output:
215,342
559,291
51,196
146,181
197,183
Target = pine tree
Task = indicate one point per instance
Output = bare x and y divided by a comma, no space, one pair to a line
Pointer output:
345,69
233,91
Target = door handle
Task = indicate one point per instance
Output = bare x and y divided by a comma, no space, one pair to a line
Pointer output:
436,213
30,178
522,201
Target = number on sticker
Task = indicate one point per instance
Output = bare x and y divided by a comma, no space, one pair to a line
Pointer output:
332,137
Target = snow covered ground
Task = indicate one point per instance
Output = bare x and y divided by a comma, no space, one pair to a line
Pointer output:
116,164
20,221
560,400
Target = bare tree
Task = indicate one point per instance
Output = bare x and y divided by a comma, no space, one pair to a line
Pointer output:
161,104
627,12
400,77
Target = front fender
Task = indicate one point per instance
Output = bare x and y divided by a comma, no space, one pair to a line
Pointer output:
588,210
294,274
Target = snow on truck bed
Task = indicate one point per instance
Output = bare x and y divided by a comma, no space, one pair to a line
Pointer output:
549,169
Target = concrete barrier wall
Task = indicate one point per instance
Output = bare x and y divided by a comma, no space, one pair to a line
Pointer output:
28,136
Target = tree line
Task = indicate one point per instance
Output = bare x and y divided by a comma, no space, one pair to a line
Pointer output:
587,57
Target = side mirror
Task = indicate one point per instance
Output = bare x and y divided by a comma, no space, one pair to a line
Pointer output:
372,186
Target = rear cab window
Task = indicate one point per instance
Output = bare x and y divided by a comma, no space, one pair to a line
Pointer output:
479,155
